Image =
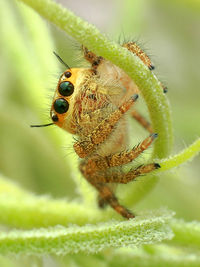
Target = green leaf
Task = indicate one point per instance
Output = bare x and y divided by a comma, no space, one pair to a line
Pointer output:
153,255
20,208
186,233
146,229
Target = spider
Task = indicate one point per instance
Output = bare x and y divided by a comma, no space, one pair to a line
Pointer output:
93,104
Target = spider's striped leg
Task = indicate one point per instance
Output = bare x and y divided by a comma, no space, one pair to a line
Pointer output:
95,168
99,181
97,163
108,196
91,57
119,177
135,49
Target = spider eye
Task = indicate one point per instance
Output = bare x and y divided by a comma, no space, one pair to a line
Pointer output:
66,88
68,74
61,105
54,118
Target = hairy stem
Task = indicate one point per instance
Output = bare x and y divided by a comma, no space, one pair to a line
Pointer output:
186,233
89,238
181,157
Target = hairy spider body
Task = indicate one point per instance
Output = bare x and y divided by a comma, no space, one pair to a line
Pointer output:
94,104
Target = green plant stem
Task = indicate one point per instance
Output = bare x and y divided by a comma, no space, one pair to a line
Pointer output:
21,209
88,239
186,233
187,154
131,196
153,255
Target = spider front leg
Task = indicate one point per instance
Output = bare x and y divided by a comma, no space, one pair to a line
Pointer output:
96,163
95,168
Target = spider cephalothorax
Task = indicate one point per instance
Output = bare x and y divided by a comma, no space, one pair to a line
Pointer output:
94,104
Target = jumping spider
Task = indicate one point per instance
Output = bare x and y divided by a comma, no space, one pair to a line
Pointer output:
93,104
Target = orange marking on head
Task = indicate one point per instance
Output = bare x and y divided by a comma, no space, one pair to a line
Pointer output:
65,91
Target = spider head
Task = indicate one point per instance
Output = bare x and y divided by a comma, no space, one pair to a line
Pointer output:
63,101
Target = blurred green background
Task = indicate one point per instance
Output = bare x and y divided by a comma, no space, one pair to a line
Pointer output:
42,160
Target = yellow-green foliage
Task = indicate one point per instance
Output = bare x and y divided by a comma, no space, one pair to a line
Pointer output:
39,224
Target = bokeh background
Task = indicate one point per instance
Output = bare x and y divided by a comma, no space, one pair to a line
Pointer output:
42,160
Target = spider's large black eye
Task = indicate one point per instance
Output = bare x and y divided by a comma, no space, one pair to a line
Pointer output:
54,118
66,88
68,74
61,105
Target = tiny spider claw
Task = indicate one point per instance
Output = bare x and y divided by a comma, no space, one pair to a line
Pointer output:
165,90
128,214
157,166
154,135
151,67
135,97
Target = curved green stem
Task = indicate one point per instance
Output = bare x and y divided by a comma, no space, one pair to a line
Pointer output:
134,194
181,157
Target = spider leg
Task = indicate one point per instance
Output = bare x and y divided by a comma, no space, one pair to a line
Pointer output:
122,178
144,122
132,47
101,202
95,171
119,177
97,163
103,130
107,196
135,49
91,57
99,181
